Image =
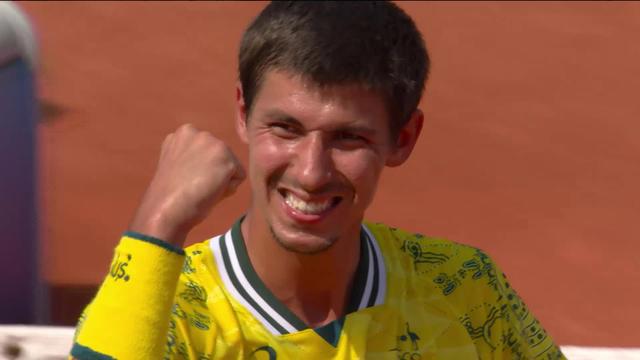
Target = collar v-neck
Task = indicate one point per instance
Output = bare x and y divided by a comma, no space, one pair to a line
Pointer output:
242,281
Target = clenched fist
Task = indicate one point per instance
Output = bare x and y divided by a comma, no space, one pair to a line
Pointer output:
195,172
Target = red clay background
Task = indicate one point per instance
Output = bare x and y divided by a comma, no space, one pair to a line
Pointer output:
529,151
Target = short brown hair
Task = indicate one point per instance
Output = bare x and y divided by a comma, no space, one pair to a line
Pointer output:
375,44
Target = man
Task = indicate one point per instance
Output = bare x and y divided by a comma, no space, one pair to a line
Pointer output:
327,98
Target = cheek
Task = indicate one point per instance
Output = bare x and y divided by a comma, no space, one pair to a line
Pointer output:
266,158
362,170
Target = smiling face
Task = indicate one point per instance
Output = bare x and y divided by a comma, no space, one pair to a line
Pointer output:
315,157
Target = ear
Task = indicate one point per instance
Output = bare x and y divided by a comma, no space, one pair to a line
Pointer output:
406,139
241,114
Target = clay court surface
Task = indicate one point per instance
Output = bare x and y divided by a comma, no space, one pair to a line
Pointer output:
530,149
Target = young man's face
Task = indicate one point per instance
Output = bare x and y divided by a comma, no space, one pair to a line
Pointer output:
315,157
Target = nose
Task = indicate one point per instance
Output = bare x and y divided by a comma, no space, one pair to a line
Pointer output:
314,166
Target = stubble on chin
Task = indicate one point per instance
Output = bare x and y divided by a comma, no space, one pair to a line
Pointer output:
305,251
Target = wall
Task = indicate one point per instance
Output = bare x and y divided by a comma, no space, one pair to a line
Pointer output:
528,151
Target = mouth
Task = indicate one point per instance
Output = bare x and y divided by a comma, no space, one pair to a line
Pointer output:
309,207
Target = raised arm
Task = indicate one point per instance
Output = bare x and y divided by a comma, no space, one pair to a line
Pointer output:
130,315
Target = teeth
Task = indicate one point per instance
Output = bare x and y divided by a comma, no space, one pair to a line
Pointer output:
306,207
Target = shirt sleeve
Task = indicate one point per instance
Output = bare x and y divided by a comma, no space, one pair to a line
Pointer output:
496,318
130,316
192,331
523,337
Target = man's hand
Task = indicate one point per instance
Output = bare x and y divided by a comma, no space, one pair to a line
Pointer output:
195,172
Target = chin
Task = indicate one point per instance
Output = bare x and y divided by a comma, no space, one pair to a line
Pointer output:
308,244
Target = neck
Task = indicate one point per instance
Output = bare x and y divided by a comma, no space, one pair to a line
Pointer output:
315,287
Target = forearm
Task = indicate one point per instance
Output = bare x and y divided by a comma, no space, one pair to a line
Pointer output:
129,316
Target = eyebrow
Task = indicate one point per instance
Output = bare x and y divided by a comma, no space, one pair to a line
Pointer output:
284,117
281,116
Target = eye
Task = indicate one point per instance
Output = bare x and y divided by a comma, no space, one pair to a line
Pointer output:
284,130
348,136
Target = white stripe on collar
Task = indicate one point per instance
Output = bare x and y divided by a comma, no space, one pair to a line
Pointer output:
382,270
214,243
368,288
228,284
239,272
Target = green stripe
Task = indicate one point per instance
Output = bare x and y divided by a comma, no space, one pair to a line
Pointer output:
81,352
240,288
376,274
360,277
256,282
150,239
331,332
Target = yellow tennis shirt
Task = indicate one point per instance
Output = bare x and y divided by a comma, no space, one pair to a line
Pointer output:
414,297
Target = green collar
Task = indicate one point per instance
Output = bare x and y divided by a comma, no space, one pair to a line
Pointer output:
241,280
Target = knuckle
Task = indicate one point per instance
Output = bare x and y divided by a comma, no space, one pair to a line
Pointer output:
210,138
187,128
168,138
216,145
